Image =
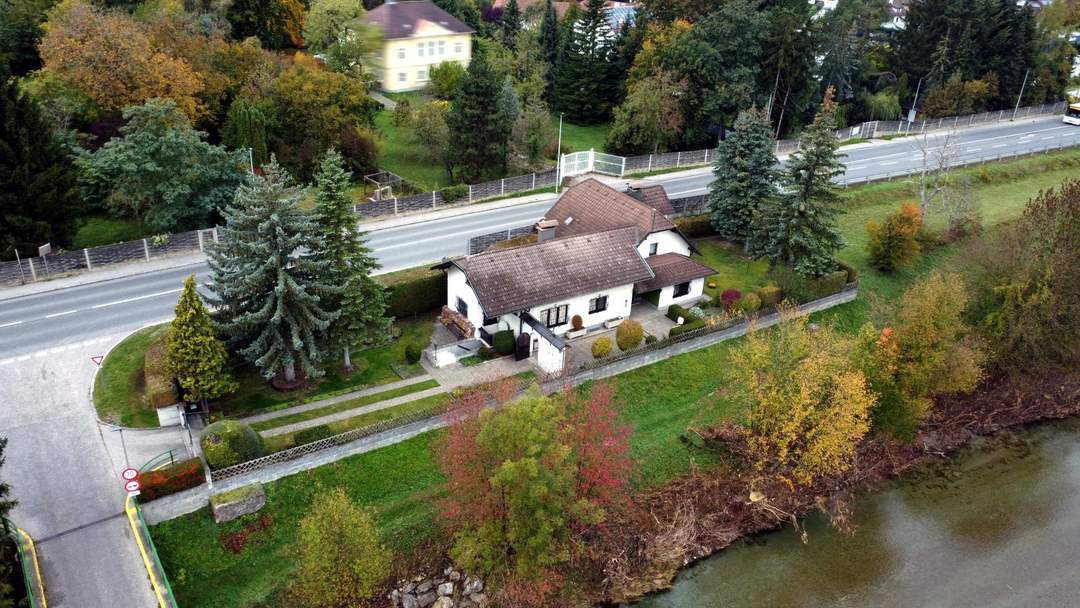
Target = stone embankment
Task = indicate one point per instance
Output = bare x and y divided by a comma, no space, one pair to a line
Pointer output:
451,589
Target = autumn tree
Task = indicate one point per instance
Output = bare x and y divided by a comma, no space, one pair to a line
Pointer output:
807,406
163,171
526,478
651,117
276,23
745,178
341,561
361,305
894,242
267,286
196,356
111,58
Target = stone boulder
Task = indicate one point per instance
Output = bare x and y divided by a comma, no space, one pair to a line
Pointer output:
230,505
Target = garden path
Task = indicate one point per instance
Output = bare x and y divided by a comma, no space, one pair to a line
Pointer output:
314,405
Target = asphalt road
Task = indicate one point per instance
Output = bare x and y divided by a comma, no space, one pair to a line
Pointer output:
72,315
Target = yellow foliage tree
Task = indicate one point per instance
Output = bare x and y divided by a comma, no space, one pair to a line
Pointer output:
111,58
808,408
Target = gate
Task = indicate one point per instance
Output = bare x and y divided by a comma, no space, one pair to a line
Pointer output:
608,164
578,163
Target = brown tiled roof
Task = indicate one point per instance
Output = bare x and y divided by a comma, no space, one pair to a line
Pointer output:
672,269
655,197
512,280
401,19
592,206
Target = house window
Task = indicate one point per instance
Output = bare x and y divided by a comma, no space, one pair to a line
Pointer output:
652,248
681,290
431,48
442,47
462,307
457,48
401,53
555,316
420,49
421,75
598,304
401,77
490,321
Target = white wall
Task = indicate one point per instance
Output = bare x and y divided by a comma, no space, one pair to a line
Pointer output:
667,241
550,359
697,288
619,302
457,287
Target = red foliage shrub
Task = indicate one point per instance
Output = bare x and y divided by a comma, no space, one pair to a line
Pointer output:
170,480
235,542
521,592
729,297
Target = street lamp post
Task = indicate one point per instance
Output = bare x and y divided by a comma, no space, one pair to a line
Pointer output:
558,157
1021,95
123,446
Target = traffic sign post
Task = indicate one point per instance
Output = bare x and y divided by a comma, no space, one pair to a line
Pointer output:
131,481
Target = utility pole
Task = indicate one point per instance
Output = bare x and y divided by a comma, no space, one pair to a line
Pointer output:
912,113
1021,95
558,157
251,160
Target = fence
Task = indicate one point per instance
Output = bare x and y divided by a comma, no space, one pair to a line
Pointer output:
481,243
28,560
158,581
322,444
429,201
64,263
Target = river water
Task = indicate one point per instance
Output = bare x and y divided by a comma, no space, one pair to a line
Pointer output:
996,525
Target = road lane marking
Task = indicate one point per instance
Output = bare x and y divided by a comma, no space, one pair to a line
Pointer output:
60,314
137,298
999,145
891,162
973,149
10,324
1048,137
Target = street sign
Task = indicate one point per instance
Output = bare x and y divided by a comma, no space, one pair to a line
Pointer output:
96,359
132,486
130,474
44,250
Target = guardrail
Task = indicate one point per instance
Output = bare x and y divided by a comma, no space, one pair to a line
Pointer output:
158,581
162,460
28,560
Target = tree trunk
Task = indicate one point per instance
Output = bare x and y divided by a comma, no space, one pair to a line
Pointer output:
348,361
290,372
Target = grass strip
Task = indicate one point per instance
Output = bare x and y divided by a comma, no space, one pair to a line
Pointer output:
119,386
344,405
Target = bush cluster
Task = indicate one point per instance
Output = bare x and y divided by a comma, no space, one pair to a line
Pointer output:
770,295
696,226
691,321
805,289
452,194
629,335
228,442
601,347
417,294
412,353
503,342
894,242
750,303
160,389
730,297
172,479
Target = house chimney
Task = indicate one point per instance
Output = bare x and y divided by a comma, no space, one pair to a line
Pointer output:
545,230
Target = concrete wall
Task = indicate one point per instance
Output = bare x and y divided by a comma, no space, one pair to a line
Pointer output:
549,359
404,64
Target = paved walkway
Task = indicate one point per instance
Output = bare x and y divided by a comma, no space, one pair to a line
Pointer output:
387,103
356,411
314,405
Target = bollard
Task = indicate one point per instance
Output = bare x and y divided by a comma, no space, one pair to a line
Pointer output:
146,249
202,248
33,273
86,254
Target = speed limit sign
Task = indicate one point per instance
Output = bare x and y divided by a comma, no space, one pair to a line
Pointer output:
129,474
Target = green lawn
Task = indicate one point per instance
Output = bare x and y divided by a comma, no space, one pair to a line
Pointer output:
659,401
95,231
732,270
399,153
119,386
288,440
345,405
579,138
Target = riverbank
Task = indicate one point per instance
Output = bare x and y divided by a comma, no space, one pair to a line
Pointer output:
701,513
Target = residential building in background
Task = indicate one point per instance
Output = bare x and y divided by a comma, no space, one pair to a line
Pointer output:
417,36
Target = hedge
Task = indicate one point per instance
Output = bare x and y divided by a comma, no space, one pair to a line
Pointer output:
695,226
805,289
160,390
686,327
675,311
172,479
415,292
454,193
852,274
503,342
312,434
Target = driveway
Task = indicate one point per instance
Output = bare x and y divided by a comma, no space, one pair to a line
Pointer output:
66,480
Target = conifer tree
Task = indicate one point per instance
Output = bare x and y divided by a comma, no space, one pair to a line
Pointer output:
511,23
745,177
550,40
197,357
799,229
478,130
269,289
361,306
38,193
586,75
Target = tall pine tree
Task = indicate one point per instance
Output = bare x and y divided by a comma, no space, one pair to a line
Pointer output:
269,289
361,306
746,176
511,23
550,42
197,357
586,83
799,229
479,132
38,194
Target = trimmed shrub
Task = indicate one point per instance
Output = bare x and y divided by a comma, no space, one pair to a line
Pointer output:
485,353
601,347
675,311
804,289
697,311
228,442
577,322
503,341
650,339
629,334
312,434
452,194
696,226
415,293
160,390
852,274
730,297
172,479
750,303
412,353
678,330
770,295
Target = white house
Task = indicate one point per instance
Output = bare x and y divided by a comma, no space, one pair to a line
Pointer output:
598,251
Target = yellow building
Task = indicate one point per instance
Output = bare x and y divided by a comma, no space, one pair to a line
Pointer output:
417,36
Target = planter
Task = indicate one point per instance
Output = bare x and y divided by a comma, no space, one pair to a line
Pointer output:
612,323
576,333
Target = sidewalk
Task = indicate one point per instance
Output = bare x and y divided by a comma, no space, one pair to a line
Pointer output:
314,405
356,411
